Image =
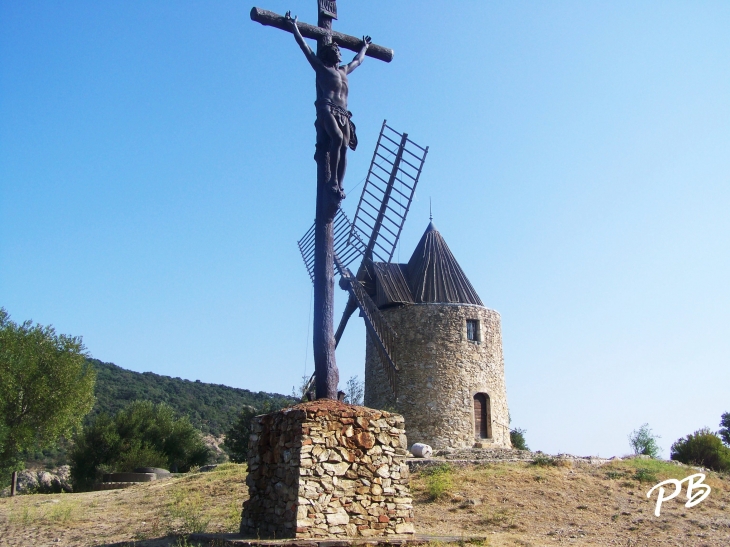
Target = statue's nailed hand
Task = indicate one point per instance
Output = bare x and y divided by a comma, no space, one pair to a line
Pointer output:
291,20
367,40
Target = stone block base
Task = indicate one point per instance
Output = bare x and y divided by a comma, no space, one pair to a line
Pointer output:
327,469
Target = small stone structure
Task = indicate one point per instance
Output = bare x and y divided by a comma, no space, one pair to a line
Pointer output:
327,469
450,383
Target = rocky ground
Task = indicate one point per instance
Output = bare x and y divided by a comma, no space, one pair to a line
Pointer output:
33,481
507,499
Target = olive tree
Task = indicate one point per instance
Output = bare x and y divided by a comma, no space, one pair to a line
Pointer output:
46,388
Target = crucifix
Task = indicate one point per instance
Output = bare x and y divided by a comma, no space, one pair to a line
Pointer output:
335,133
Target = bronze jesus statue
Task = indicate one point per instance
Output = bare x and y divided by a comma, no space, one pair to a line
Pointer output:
335,130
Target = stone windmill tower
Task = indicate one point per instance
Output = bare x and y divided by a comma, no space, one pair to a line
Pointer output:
450,381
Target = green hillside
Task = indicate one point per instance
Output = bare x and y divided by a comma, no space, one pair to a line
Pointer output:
212,408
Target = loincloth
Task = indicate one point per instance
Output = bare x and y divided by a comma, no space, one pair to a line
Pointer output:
343,118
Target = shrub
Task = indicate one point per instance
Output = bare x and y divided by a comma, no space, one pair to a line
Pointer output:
141,435
644,474
702,448
438,480
643,441
541,460
517,438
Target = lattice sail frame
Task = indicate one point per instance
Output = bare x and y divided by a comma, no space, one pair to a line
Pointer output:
348,244
382,210
388,192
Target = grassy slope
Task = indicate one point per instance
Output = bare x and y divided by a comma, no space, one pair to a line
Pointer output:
511,504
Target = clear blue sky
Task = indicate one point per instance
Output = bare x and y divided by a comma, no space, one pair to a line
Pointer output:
156,172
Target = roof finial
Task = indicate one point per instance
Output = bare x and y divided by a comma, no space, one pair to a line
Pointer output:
430,213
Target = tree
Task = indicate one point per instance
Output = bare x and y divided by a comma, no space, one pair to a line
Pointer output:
143,434
517,438
702,448
236,443
354,391
725,430
643,441
46,388
300,392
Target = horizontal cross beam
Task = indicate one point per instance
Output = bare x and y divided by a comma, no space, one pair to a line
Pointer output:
271,19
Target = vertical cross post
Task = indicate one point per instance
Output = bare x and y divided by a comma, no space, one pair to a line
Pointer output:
325,365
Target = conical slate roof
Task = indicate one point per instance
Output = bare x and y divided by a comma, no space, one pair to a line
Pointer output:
434,276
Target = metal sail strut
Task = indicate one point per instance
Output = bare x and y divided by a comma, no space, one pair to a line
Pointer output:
382,333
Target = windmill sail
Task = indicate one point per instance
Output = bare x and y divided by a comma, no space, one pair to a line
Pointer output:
385,201
381,212
381,332
388,192
348,243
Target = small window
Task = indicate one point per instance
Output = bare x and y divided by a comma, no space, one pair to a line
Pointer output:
472,330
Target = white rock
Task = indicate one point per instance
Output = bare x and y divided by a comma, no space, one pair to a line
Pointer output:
341,517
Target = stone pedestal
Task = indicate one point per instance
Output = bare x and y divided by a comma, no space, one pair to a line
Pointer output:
327,469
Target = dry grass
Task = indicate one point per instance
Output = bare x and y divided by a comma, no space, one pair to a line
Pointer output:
181,505
512,504
558,503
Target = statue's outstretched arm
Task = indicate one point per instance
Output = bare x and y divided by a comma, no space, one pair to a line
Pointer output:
308,53
360,56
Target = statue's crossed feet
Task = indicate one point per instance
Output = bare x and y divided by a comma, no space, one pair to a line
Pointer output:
337,192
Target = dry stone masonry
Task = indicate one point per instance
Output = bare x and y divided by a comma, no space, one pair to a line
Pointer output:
327,469
441,371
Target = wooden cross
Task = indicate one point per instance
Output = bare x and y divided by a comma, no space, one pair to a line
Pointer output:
325,365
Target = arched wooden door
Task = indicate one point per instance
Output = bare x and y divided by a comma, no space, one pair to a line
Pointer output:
482,416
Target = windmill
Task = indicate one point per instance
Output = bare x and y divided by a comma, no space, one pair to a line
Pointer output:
381,213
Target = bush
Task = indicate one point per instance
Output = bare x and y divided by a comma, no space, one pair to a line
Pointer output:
438,480
644,474
517,438
141,435
541,460
702,448
643,441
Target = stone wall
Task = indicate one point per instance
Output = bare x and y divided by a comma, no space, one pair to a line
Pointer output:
327,469
440,372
